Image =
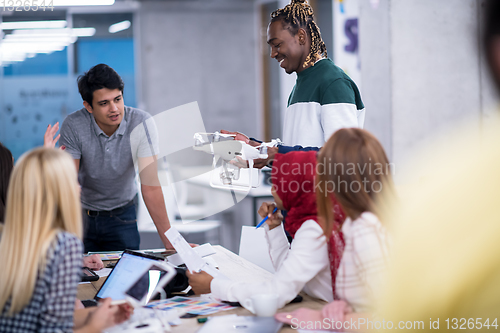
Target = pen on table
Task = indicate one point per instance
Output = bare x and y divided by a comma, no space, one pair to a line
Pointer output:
265,218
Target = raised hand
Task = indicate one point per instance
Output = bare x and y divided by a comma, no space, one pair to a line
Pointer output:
49,140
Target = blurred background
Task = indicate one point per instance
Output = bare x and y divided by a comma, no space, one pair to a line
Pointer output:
418,63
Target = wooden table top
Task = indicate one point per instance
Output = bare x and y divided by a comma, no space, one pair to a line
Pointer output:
234,267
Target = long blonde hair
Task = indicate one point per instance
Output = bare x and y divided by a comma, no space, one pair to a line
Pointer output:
42,199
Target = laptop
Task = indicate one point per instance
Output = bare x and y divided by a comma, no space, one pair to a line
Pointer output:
130,269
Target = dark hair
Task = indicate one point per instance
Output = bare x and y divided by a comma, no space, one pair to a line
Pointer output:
98,77
492,31
6,166
492,20
299,14
352,156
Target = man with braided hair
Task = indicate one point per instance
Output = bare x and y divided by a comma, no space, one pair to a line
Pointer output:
324,98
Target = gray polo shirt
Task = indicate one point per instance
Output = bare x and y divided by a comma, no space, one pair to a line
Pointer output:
107,173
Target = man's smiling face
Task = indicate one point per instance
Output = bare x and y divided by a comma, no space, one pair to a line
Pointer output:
286,48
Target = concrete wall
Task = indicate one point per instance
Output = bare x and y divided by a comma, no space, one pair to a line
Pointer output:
201,51
421,62
375,54
422,69
204,51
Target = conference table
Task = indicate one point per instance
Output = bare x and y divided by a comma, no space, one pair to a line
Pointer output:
234,267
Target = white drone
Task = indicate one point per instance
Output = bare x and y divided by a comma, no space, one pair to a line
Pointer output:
234,155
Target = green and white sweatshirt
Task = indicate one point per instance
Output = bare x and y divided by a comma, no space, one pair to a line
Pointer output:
323,100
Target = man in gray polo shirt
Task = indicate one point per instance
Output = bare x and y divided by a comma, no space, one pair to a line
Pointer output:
98,138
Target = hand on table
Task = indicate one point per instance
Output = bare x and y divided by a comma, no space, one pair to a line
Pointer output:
336,310
274,220
200,282
300,315
123,313
79,305
107,315
93,262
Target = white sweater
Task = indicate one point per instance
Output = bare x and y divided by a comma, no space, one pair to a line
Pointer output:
304,266
364,259
323,100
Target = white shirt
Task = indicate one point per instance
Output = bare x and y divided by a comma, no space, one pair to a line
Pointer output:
303,266
364,259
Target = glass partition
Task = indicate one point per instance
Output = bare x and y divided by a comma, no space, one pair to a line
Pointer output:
42,55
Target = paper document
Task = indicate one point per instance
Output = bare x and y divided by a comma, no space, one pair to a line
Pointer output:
203,250
254,247
194,262
103,272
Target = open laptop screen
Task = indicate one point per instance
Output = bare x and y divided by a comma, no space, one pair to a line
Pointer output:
126,272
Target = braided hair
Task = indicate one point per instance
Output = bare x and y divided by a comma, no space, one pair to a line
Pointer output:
299,14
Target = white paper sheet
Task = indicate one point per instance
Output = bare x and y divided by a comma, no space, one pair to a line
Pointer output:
194,262
103,272
254,247
203,250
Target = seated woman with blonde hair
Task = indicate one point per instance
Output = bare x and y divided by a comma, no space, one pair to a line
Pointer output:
40,250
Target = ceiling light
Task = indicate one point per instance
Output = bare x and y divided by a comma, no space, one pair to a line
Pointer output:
120,26
78,32
44,39
82,2
33,25
32,47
